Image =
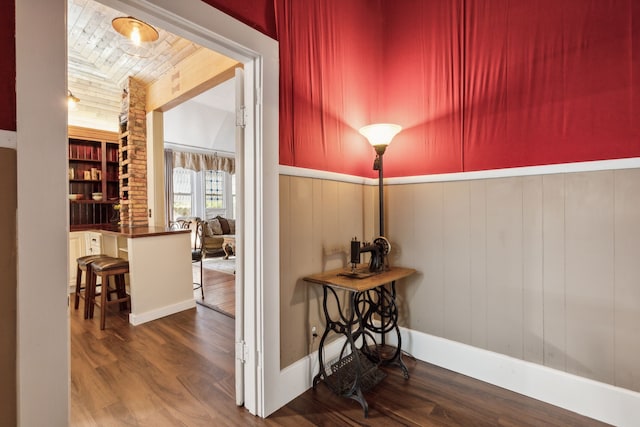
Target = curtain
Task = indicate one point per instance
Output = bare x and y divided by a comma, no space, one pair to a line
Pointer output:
475,84
203,161
422,86
330,63
168,185
549,82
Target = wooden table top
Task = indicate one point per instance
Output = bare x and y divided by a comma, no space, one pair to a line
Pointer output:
339,278
142,231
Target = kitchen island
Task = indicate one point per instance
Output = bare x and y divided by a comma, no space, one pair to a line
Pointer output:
160,272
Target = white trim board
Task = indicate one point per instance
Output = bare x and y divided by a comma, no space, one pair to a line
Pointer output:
593,399
8,139
139,319
599,165
331,176
298,377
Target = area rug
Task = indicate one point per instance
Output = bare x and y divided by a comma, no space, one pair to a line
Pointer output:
219,290
221,264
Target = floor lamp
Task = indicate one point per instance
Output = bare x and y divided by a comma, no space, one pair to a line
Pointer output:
379,136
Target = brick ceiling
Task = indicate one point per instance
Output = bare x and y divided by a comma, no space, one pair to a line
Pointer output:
100,60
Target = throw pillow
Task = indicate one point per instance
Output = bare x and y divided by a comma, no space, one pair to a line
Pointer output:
206,229
224,224
214,226
232,226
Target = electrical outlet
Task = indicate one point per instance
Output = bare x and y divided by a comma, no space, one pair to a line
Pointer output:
314,331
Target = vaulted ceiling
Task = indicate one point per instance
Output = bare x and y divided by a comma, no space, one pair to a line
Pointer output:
100,60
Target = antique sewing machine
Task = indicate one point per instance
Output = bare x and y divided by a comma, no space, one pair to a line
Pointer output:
379,249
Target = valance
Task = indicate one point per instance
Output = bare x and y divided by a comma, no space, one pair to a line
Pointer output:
203,161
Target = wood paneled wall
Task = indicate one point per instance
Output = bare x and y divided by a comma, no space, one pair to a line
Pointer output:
8,286
540,268
318,218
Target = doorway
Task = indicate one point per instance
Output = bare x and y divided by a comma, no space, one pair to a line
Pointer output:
91,25
39,87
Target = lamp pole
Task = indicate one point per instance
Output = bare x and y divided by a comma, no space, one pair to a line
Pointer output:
377,165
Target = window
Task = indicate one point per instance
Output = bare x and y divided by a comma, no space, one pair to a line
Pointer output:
182,192
214,189
203,194
233,193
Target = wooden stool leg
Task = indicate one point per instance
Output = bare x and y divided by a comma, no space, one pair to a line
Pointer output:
104,291
122,290
91,298
76,303
88,292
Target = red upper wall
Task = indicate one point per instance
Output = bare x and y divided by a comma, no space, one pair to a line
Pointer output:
259,14
7,66
511,83
421,83
550,84
476,84
330,67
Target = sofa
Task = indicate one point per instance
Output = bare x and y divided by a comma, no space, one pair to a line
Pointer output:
214,232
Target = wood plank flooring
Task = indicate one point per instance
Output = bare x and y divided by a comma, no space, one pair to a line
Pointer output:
179,371
219,290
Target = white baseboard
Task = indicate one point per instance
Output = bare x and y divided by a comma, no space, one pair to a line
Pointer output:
140,318
593,399
8,139
297,378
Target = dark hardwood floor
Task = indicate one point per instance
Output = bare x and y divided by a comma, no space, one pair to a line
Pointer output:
219,290
179,371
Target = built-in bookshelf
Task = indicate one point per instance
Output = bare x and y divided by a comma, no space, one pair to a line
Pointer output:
93,168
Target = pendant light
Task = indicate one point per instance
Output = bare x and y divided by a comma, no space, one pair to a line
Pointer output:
72,101
134,29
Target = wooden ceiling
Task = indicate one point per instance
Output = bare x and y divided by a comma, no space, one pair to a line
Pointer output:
100,60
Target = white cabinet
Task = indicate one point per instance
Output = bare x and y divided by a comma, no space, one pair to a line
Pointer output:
93,242
82,243
76,250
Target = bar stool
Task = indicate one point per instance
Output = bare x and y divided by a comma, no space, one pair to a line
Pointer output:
84,264
105,268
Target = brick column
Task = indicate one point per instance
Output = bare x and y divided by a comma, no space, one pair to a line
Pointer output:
133,157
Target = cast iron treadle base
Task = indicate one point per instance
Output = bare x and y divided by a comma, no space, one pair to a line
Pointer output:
384,354
343,374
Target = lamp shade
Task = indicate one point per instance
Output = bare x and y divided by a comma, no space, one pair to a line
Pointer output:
380,133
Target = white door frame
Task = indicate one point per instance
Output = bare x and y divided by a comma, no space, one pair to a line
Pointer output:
43,347
239,105
210,28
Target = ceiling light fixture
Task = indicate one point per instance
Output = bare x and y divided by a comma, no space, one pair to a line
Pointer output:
134,29
72,100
